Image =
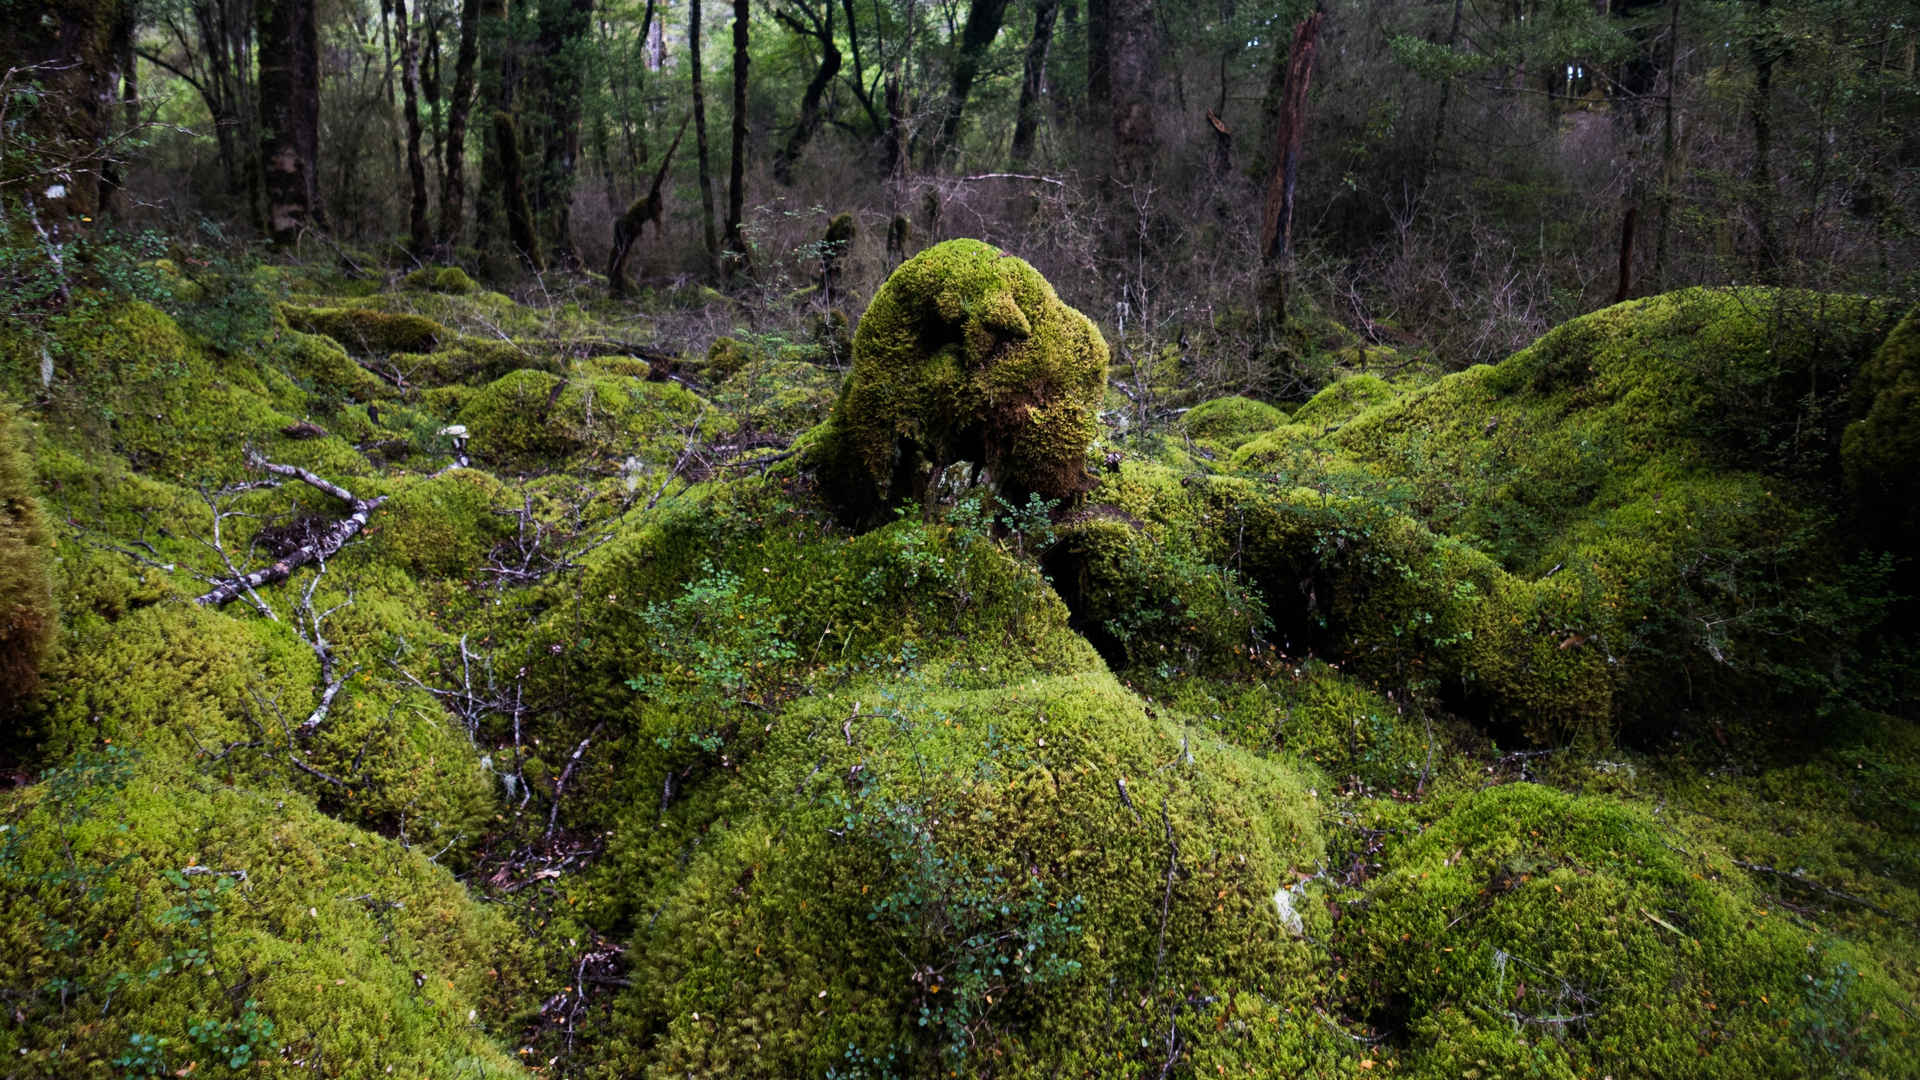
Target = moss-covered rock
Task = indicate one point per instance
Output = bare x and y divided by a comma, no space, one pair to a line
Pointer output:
28,619
365,331
1880,450
727,356
966,354
780,397
1535,933
324,365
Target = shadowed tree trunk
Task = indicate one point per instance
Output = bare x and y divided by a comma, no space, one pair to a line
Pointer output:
74,54
1133,59
563,26
289,87
419,234
1289,135
1099,60
453,187
820,28
1763,51
1033,79
737,257
707,233
983,25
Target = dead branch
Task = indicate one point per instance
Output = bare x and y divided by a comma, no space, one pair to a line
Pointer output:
1017,176
560,785
321,547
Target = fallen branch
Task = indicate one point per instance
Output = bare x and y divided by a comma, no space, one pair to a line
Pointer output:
560,785
320,548
1017,176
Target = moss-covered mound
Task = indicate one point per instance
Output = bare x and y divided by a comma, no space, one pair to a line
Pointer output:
965,354
367,332
529,419
1221,425
1881,449
155,921
442,279
442,526
27,615
1535,933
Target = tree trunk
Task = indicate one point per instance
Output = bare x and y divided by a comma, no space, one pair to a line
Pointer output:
983,25
1761,50
809,122
737,256
419,235
289,87
1099,60
1669,153
453,189
1134,42
1289,134
71,112
563,26
520,230
707,233
498,71
1033,79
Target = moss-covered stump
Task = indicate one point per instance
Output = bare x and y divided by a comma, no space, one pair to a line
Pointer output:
965,354
28,619
1534,933
157,921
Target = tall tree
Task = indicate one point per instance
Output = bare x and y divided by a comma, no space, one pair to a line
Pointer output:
289,87
1763,49
1134,48
804,19
1289,135
738,257
453,183
562,29
64,64
707,233
982,26
1033,78
419,233
208,44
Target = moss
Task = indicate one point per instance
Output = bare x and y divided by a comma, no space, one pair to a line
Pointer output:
531,418
473,361
727,356
323,364
995,905
966,354
444,525
777,396
833,334
204,918
28,618
1880,450
442,279
367,332
1546,934
1220,426
1343,400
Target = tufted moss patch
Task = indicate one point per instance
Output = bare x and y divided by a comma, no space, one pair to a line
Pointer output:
777,396
528,417
442,526
1221,425
1531,932
965,354
442,279
1881,447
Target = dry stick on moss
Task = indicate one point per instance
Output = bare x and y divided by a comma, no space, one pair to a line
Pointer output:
330,686
560,785
319,548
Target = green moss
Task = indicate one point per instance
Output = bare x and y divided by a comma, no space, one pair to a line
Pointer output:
1230,421
727,356
529,418
1539,933
1343,400
147,904
442,279
1880,450
444,525
324,365
473,361
966,354
368,332
28,619
994,907
777,396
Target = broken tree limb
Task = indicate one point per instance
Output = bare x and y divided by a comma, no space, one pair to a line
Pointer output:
320,548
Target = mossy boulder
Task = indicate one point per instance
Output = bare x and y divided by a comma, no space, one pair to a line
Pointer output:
1531,932
367,332
1220,426
965,354
727,356
28,619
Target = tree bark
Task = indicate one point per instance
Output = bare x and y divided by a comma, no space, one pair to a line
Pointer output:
72,54
984,18
1289,135
1134,41
737,256
563,26
498,74
707,233
453,188
1761,50
804,129
1099,60
289,87
1033,79
419,234
1669,152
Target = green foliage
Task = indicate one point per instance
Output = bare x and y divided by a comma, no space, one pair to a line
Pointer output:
718,649
529,418
1881,446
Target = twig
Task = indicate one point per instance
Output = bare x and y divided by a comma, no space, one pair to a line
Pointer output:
560,785
319,548
1016,176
